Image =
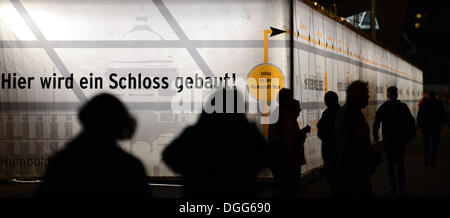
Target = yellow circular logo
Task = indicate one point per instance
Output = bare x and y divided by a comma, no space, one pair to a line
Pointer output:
265,81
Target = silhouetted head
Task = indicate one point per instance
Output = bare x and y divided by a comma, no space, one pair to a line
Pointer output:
331,99
432,96
285,97
392,93
105,116
357,95
224,105
295,107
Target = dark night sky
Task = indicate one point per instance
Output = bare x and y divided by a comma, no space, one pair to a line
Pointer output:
427,47
431,40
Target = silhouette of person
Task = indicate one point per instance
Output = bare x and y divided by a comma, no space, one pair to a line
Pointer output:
93,164
398,129
221,155
446,104
351,132
430,118
443,101
286,145
326,134
425,96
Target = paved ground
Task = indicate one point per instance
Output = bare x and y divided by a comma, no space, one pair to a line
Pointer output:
421,182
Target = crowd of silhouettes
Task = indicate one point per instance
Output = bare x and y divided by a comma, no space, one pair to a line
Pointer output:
222,154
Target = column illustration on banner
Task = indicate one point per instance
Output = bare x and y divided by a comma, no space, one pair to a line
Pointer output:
266,76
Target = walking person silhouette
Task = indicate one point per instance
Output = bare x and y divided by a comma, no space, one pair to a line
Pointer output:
398,129
430,118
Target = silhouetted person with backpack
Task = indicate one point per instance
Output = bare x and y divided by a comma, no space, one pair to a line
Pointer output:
326,134
286,141
354,163
430,118
93,164
398,129
222,154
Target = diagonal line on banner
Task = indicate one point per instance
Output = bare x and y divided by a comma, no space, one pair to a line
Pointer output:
49,50
182,36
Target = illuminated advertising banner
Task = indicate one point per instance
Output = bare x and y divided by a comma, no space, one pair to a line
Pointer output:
144,52
115,40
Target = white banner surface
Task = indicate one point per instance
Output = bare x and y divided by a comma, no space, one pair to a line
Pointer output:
170,38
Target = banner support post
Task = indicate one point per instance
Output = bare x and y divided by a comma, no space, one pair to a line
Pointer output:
291,42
